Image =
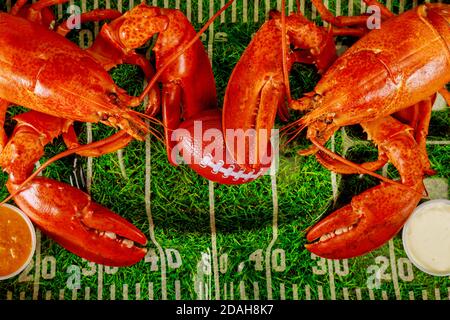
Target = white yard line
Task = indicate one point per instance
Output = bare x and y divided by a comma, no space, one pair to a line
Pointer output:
212,217
273,179
148,210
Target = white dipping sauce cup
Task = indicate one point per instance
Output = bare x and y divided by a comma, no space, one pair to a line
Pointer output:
426,237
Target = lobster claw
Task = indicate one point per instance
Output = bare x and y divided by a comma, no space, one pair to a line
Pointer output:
202,146
368,222
83,227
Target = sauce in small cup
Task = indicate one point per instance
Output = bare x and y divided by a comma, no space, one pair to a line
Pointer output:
17,241
426,237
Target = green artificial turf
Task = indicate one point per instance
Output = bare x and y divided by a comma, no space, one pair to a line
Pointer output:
251,263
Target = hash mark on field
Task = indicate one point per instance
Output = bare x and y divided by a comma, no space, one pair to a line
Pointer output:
358,294
87,293
363,7
282,292
424,295
150,291
290,6
320,292
331,277
255,290
9,295
22,295
302,6
74,294
325,2
295,291
411,295
61,294
233,12
189,10
389,4
231,290
371,294
125,292
350,7
313,12
242,290
338,7
112,292
384,295
138,291
307,292
48,295
437,294
245,11
200,11
401,8
177,290
345,293
100,282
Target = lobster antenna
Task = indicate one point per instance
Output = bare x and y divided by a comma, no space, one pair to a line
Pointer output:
63,154
284,51
179,53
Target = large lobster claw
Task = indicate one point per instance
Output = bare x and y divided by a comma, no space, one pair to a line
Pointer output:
63,212
81,226
376,215
368,222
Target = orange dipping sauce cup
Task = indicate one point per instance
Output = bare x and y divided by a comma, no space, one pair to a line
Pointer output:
17,241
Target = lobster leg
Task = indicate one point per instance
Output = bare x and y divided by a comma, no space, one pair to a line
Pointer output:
91,16
71,141
341,168
418,117
63,212
344,21
38,12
